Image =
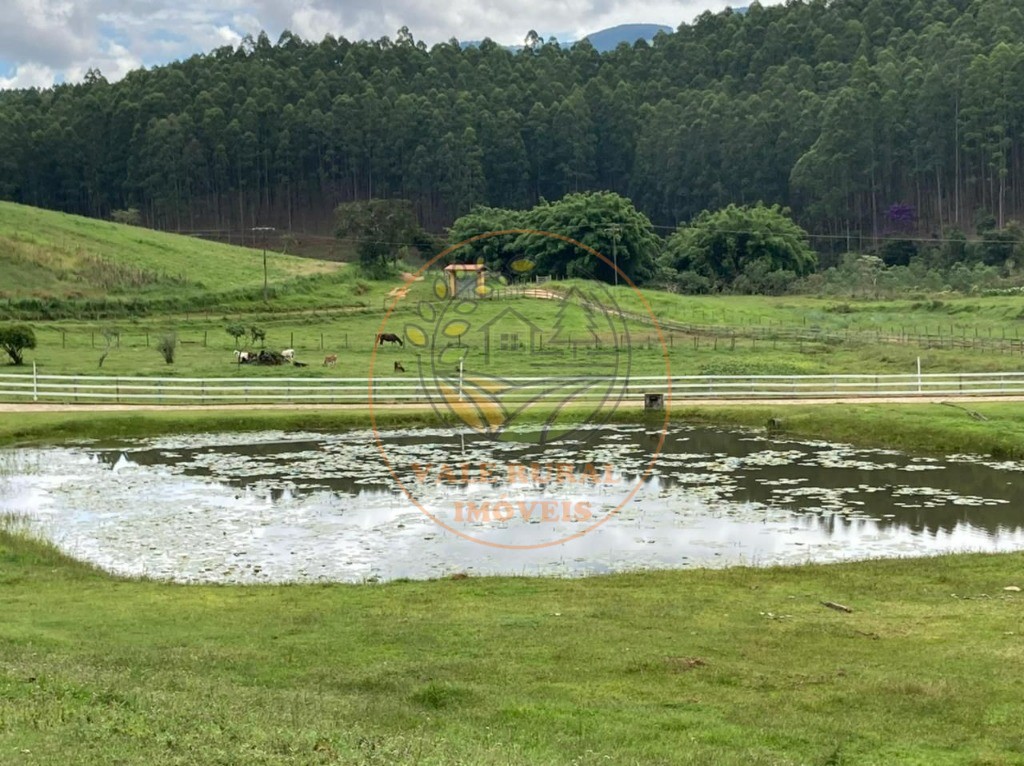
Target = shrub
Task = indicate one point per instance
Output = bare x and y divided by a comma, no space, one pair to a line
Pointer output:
236,331
692,283
167,345
14,339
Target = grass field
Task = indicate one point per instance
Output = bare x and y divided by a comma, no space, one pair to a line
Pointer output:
53,264
947,315
735,666
559,343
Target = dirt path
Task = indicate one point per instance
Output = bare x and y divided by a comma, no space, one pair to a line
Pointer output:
679,403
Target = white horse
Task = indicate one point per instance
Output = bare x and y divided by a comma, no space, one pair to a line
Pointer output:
241,357
289,354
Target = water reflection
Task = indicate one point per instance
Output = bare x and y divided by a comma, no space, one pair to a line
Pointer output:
278,507
922,494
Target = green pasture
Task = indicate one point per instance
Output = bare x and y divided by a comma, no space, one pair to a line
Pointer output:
945,315
496,339
57,264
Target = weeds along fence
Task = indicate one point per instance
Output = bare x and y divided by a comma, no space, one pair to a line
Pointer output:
72,389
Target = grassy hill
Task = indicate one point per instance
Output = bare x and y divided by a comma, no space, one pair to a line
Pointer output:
50,262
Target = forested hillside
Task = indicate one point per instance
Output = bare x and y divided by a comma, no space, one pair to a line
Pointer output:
844,110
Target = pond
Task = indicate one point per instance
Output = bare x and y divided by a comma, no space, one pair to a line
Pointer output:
420,503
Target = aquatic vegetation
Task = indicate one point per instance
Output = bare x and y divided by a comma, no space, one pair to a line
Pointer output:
281,506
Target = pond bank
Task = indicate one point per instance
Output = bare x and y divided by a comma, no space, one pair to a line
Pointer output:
921,427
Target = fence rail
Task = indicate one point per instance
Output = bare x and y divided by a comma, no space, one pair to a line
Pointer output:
21,387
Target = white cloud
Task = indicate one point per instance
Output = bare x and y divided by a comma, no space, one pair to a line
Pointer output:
115,63
28,76
228,36
45,41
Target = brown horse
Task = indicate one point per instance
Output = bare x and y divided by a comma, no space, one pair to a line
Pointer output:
330,360
399,367
387,337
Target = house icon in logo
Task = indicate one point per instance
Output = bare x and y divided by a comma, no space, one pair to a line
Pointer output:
509,330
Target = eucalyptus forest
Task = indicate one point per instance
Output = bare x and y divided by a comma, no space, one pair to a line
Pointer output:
862,117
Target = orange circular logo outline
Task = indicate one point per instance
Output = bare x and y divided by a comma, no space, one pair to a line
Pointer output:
664,426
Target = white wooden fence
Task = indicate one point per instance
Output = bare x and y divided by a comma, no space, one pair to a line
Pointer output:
22,387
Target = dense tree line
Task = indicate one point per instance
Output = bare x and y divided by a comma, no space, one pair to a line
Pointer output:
863,116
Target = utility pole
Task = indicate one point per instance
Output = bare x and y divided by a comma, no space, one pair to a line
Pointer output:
616,232
264,230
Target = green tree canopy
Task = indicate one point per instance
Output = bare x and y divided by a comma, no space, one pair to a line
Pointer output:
496,252
753,240
604,221
836,109
380,228
14,339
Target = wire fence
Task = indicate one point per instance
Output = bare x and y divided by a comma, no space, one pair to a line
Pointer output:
643,335
33,387
1001,340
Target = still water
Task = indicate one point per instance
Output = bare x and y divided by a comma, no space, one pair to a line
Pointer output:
291,507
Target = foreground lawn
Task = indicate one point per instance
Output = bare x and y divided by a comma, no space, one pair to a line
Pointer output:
738,666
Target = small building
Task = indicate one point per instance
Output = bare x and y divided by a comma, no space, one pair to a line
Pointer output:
465,279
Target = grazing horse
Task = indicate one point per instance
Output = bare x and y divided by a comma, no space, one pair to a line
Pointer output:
289,354
242,357
388,337
399,367
330,360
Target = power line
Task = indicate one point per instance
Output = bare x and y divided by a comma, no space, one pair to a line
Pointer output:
849,237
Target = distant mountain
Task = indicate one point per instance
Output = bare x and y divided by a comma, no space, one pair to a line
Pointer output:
605,40
609,39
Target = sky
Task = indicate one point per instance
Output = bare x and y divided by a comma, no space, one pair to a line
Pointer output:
43,42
